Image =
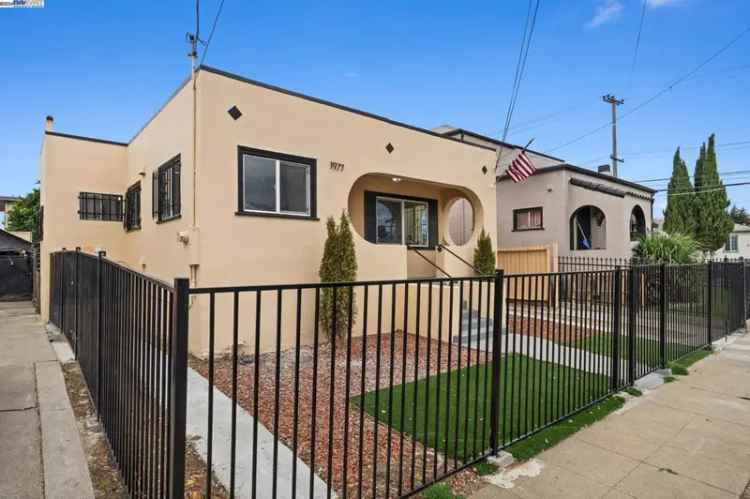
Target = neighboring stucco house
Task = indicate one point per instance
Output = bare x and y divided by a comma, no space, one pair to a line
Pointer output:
6,203
737,245
586,213
239,194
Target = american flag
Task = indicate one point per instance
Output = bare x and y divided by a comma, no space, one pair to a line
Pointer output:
521,168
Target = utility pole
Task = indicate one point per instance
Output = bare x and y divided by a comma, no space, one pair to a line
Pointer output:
194,38
611,99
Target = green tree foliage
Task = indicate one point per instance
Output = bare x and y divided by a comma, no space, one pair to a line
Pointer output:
678,216
24,214
663,247
339,264
713,223
739,215
484,255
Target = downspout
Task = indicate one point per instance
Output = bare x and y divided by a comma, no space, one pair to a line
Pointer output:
194,227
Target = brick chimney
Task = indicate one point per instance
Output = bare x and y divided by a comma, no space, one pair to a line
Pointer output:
48,122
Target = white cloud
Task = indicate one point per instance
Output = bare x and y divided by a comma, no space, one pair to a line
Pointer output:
654,4
606,11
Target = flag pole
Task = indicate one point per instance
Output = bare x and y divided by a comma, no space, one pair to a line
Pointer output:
499,155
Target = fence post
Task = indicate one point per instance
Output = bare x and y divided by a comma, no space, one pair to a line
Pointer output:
663,316
709,312
63,285
632,318
75,298
99,299
617,318
178,394
497,327
744,290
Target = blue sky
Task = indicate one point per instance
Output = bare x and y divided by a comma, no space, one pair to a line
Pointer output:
102,68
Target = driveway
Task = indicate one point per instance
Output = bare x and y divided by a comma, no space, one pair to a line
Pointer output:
687,439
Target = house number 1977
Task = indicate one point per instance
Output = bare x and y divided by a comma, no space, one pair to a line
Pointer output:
339,167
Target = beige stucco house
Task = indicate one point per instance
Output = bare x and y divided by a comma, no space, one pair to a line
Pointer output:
737,245
232,185
583,212
580,212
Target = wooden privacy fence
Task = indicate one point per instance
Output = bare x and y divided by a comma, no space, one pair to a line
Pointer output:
529,260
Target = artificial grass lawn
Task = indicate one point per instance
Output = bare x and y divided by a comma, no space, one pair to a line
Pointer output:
647,350
440,491
681,365
549,437
533,393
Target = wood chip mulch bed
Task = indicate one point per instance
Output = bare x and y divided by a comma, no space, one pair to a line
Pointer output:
297,402
548,329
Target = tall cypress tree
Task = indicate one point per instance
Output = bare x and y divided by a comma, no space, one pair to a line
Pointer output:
713,223
339,264
678,216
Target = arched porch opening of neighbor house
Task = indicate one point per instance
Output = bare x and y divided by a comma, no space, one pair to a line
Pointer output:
637,223
393,213
588,229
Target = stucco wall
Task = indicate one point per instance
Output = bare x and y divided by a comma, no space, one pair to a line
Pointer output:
743,247
155,248
70,166
247,249
559,200
227,249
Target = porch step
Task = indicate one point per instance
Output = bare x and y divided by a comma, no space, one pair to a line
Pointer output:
479,330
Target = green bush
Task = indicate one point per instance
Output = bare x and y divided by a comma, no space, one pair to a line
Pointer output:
484,255
661,247
339,264
440,491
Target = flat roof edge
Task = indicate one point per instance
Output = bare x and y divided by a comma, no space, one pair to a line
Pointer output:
584,171
88,139
499,142
341,107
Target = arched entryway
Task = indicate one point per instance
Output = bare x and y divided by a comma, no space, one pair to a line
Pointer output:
588,229
637,223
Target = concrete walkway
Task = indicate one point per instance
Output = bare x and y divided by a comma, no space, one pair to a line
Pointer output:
42,455
687,439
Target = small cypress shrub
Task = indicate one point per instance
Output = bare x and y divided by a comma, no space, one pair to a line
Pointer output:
339,264
484,255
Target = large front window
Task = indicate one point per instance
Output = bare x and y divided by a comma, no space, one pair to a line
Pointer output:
402,221
276,184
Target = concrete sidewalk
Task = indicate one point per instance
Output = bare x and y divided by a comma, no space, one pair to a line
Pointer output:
686,439
42,455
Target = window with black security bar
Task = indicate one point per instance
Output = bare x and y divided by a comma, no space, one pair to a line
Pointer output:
102,207
166,191
133,207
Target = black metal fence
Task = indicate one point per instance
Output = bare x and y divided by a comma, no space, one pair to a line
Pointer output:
120,324
367,389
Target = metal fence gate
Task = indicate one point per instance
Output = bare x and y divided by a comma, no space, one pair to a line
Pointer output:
16,281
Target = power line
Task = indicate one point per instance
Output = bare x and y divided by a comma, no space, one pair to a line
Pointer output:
521,64
659,191
734,146
637,46
661,92
528,33
737,172
211,33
